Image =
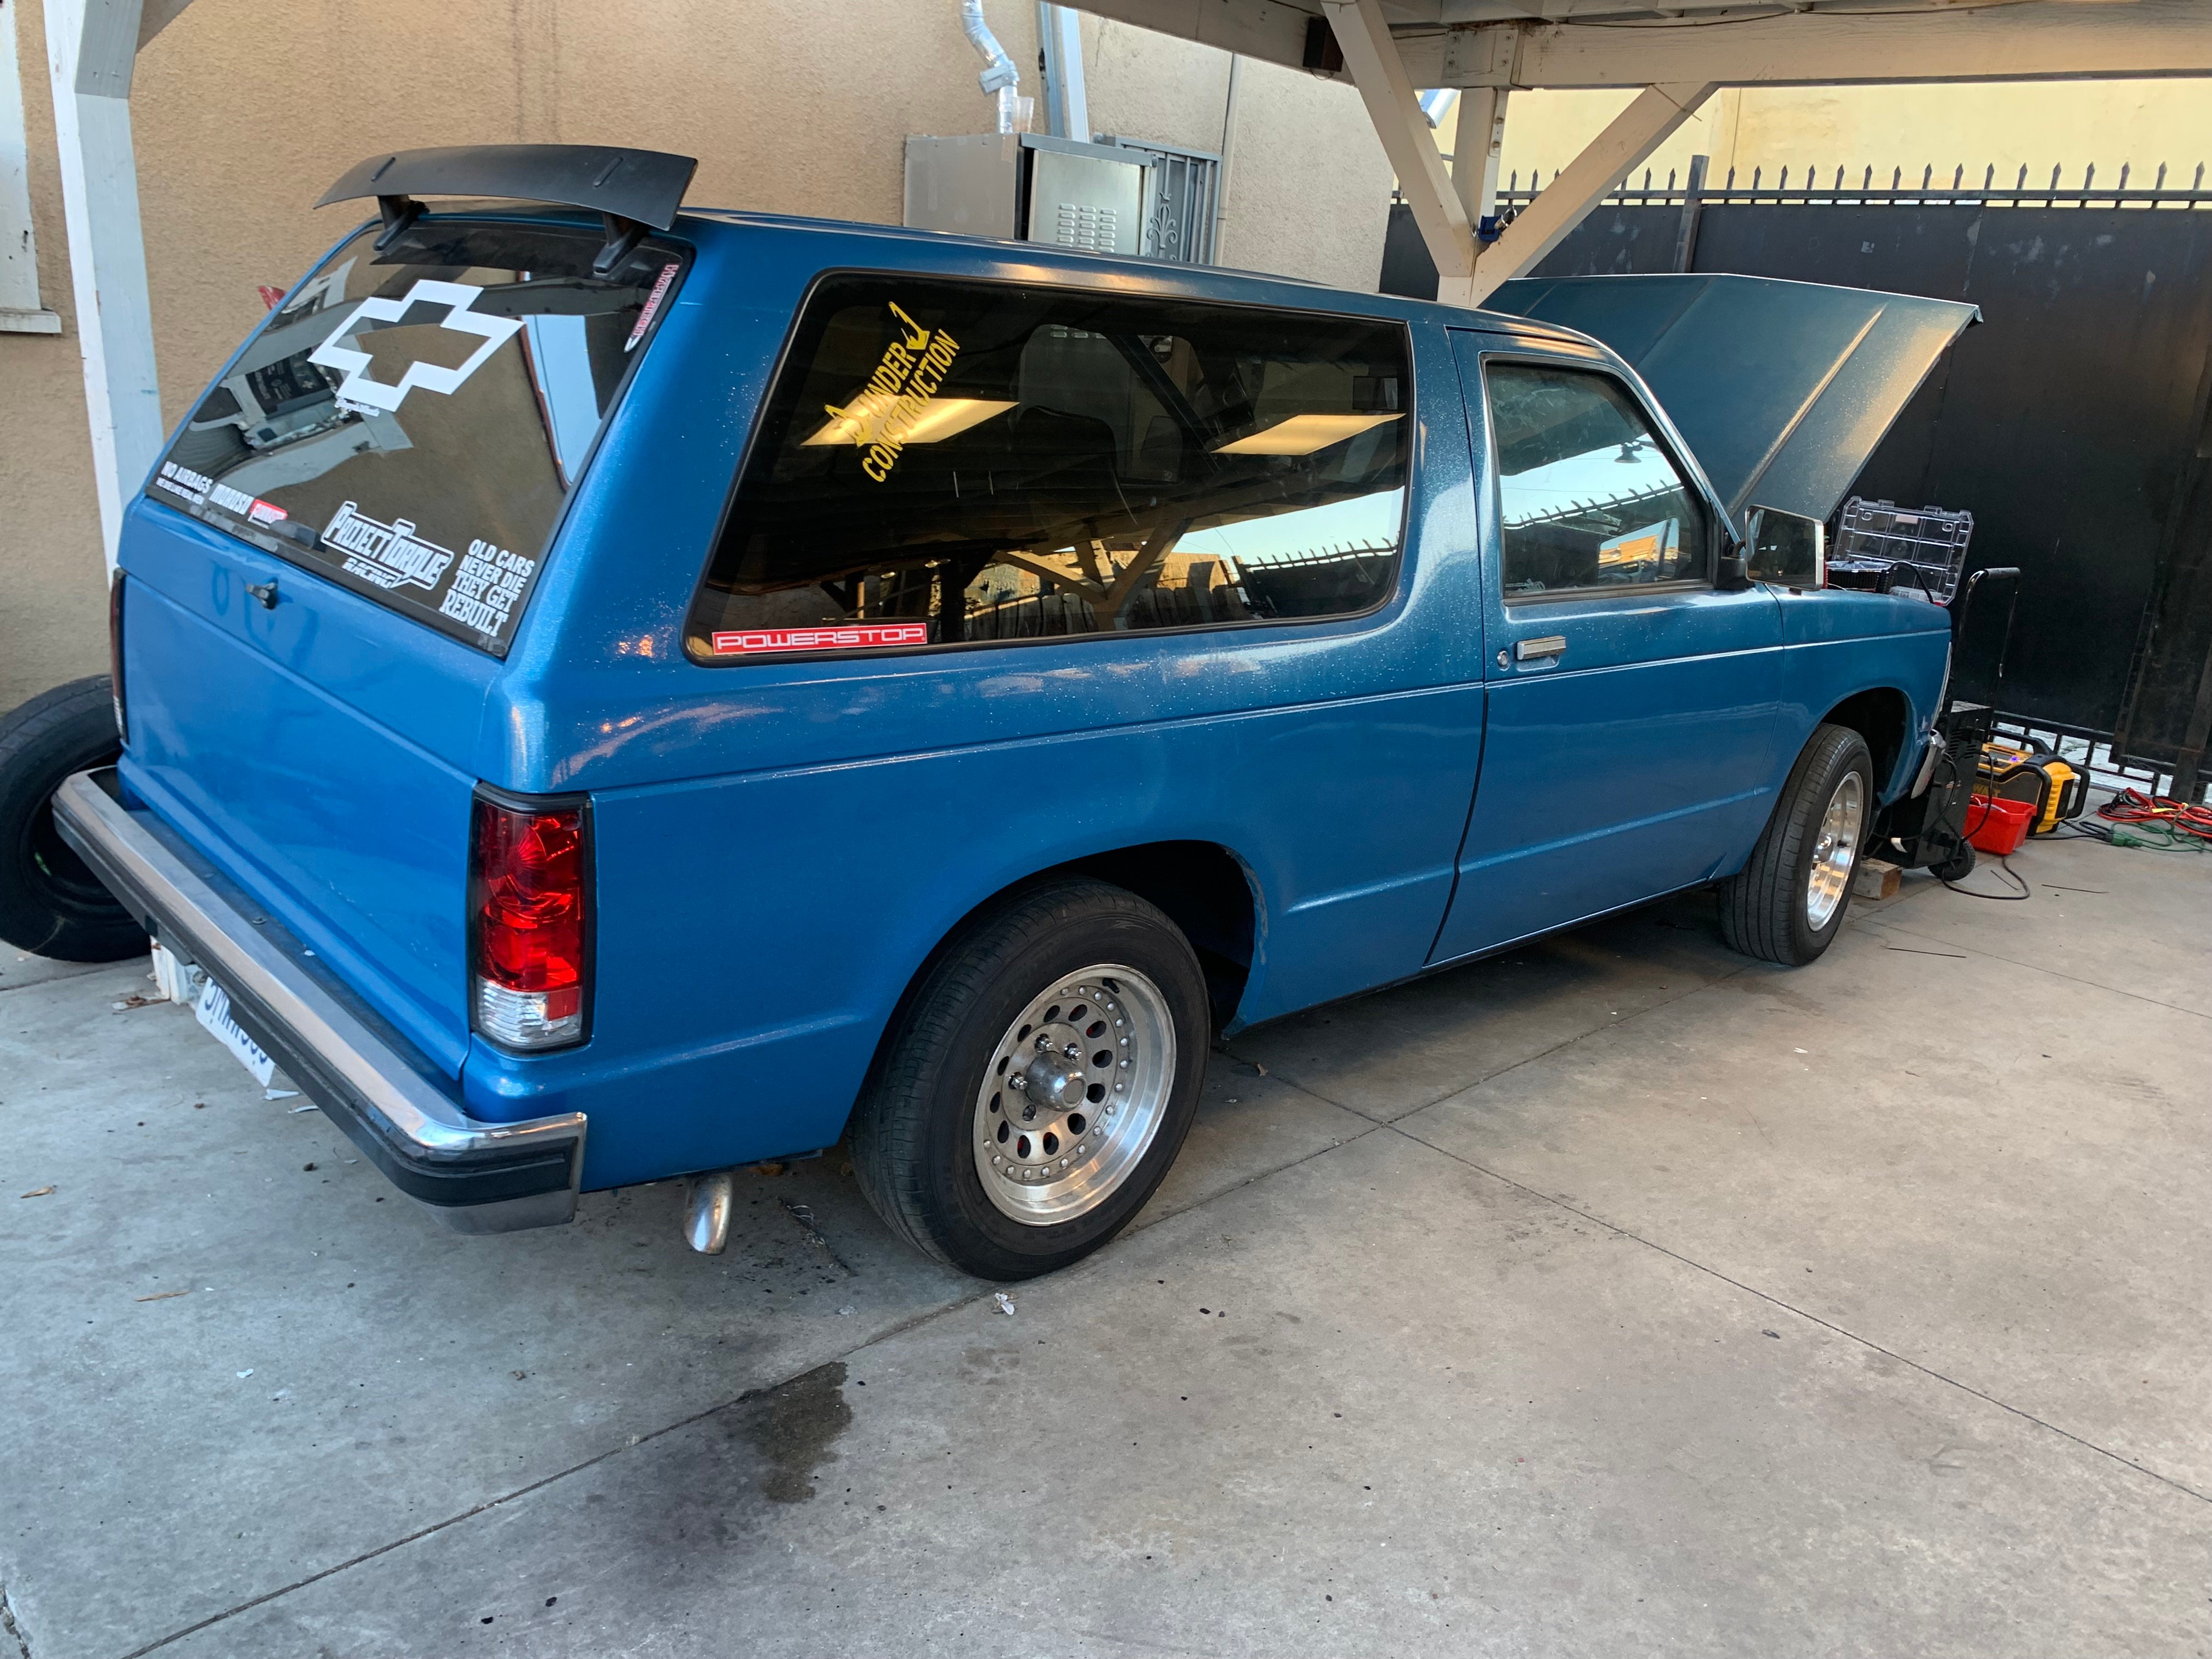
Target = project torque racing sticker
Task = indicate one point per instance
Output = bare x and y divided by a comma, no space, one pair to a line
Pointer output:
486,581
360,394
866,636
385,554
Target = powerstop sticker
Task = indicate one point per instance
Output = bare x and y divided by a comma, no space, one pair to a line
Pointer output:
872,636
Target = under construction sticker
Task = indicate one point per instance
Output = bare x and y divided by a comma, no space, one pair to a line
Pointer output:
878,418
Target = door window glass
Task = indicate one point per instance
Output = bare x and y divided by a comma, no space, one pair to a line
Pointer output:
1587,497
956,462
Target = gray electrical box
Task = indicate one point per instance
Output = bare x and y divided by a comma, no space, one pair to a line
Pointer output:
1026,186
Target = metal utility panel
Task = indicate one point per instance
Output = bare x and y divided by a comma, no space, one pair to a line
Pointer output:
1091,202
1028,187
971,185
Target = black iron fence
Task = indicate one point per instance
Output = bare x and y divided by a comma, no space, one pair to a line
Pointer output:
2073,423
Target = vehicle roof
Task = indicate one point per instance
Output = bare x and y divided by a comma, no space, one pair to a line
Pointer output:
1079,263
706,225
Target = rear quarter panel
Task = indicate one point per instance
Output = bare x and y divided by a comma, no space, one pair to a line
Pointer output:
781,845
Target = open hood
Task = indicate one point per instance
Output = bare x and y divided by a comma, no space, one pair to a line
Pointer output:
1782,389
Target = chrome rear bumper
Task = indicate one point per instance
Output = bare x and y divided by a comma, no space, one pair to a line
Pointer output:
476,1176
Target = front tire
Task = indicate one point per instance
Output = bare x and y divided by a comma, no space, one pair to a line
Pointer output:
1787,905
1039,1082
51,904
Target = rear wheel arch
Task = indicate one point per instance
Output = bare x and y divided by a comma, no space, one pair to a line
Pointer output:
1202,886
1207,890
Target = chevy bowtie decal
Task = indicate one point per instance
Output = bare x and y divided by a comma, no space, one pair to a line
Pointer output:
359,390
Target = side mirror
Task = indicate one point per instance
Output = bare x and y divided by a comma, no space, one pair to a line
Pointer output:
1733,575
1787,549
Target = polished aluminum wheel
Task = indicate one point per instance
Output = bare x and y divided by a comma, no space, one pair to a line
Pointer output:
1836,851
1074,1095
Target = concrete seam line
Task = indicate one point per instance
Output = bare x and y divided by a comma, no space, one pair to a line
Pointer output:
59,979
1457,1090
2038,968
1772,1300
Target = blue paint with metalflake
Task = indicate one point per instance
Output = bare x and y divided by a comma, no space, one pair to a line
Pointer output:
781,844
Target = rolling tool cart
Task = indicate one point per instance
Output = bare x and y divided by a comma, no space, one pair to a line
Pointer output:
1935,828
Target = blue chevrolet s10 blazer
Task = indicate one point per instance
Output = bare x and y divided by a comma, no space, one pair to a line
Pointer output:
612,693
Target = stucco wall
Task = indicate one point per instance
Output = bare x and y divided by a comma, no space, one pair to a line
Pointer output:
245,113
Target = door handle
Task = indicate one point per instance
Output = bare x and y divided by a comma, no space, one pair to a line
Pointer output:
1551,645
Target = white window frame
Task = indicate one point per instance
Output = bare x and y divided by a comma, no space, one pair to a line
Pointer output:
19,310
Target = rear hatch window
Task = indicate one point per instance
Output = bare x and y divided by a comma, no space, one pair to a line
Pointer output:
410,423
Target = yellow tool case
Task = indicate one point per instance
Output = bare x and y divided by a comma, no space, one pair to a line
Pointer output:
2028,772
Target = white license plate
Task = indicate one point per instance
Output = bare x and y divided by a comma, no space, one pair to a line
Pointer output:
213,1010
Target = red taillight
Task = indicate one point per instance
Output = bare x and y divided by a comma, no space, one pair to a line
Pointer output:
115,653
529,913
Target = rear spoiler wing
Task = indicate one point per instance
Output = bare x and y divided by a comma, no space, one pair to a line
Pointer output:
633,190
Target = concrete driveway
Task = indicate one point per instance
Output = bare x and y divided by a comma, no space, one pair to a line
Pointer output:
1615,1296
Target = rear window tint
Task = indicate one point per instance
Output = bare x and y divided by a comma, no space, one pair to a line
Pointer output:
947,464
410,423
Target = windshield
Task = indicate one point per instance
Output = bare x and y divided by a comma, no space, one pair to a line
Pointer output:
410,422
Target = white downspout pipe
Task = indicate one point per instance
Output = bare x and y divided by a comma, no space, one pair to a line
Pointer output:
999,76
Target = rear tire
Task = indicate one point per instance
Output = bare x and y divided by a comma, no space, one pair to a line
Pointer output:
51,904
1037,1085
1787,902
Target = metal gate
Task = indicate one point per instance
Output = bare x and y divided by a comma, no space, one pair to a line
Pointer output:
2073,423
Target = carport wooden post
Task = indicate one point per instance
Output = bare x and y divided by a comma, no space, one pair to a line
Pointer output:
1478,142
1446,211
1363,36
92,47
1604,162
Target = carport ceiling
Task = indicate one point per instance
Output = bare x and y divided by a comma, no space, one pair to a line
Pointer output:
1675,52
1637,43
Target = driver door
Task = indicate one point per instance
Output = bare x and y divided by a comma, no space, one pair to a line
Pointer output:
1630,748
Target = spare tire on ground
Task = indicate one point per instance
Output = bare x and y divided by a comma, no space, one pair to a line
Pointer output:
51,904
